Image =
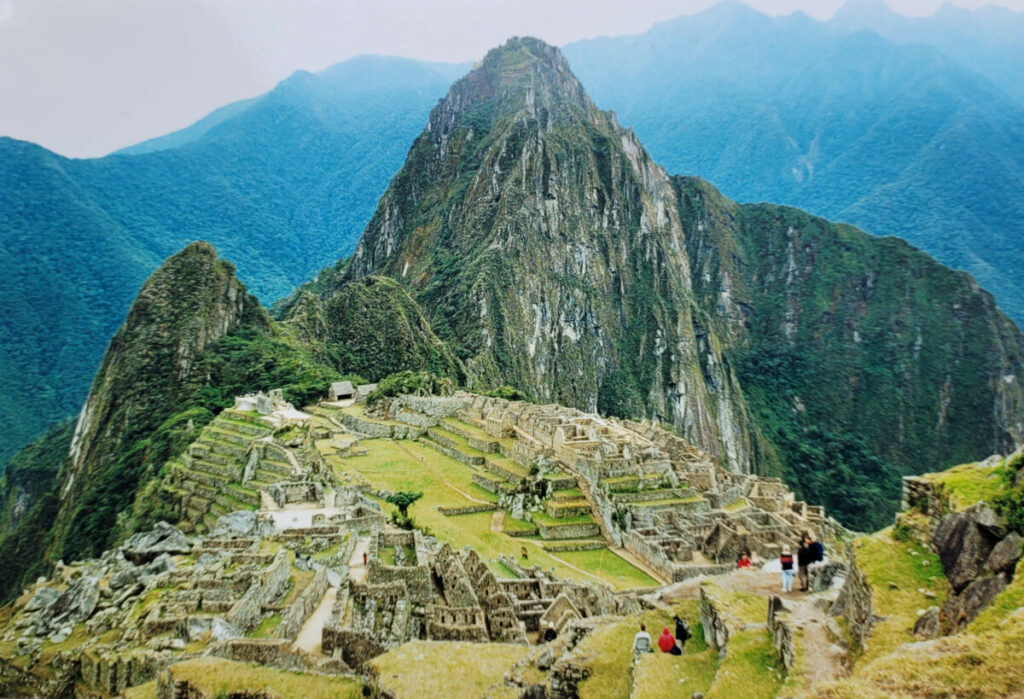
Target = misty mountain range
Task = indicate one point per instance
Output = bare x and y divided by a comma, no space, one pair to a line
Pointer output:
902,130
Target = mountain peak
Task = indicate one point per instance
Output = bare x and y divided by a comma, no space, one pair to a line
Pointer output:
524,73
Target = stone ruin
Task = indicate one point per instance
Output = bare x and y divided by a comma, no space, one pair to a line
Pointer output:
648,490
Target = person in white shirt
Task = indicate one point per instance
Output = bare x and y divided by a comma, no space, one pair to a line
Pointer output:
642,641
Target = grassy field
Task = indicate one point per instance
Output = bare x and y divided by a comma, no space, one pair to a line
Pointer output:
969,483
216,677
896,571
608,651
407,465
447,669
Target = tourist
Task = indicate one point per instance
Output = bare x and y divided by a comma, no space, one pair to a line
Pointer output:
667,643
523,553
804,557
786,563
642,641
682,632
744,561
364,558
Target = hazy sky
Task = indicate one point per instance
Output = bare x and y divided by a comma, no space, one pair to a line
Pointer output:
84,77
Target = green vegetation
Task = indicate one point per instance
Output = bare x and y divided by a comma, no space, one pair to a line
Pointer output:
896,571
749,669
967,484
420,383
216,677
1009,501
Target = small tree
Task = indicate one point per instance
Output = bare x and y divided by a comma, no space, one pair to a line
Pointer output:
403,499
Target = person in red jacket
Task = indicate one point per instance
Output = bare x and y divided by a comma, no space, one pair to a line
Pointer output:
666,641
744,561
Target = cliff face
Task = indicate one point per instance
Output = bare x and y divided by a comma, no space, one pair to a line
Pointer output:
545,246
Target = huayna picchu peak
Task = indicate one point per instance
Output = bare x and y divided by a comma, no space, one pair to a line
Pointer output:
552,254
556,394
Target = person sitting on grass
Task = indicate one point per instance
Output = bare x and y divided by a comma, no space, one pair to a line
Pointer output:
642,641
667,643
744,561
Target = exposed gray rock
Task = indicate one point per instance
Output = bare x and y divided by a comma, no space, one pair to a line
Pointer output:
221,630
74,605
1005,555
927,625
235,525
43,598
196,626
961,609
963,547
163,538
987,518
124,578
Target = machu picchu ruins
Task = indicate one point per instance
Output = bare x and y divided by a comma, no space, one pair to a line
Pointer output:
279,549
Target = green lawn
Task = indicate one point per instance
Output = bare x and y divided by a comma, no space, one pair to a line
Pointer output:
885,560
749,669
969,483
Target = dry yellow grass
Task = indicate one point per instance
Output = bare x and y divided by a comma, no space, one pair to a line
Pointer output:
448,669
216,677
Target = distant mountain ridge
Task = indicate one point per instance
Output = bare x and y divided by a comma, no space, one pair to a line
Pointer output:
283,184
896,139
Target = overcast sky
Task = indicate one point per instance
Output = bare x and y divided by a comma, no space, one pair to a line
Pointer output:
84,77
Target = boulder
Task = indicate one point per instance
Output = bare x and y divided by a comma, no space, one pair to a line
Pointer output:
74,605
221,630
163,538
987,518
1005,555
236,525
963,547
927,625
43,598
961,609
124,578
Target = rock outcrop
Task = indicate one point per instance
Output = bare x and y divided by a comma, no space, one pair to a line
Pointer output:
978,557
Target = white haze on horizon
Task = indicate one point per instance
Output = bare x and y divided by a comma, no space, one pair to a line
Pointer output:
85,77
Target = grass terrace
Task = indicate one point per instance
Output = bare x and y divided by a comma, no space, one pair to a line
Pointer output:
407,465
216,677
969,483
447,669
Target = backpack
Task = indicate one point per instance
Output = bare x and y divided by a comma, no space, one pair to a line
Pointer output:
682,630
819,551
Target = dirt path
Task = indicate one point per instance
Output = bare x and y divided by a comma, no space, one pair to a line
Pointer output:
498,521
822,658
356,569
310,634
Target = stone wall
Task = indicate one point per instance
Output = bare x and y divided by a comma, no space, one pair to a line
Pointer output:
924,495
302,607
854,604
468,510
781,628
354,647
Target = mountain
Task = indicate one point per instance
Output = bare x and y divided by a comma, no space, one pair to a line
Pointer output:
989,40
543,245
283,184
550,251
896,139
194,339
